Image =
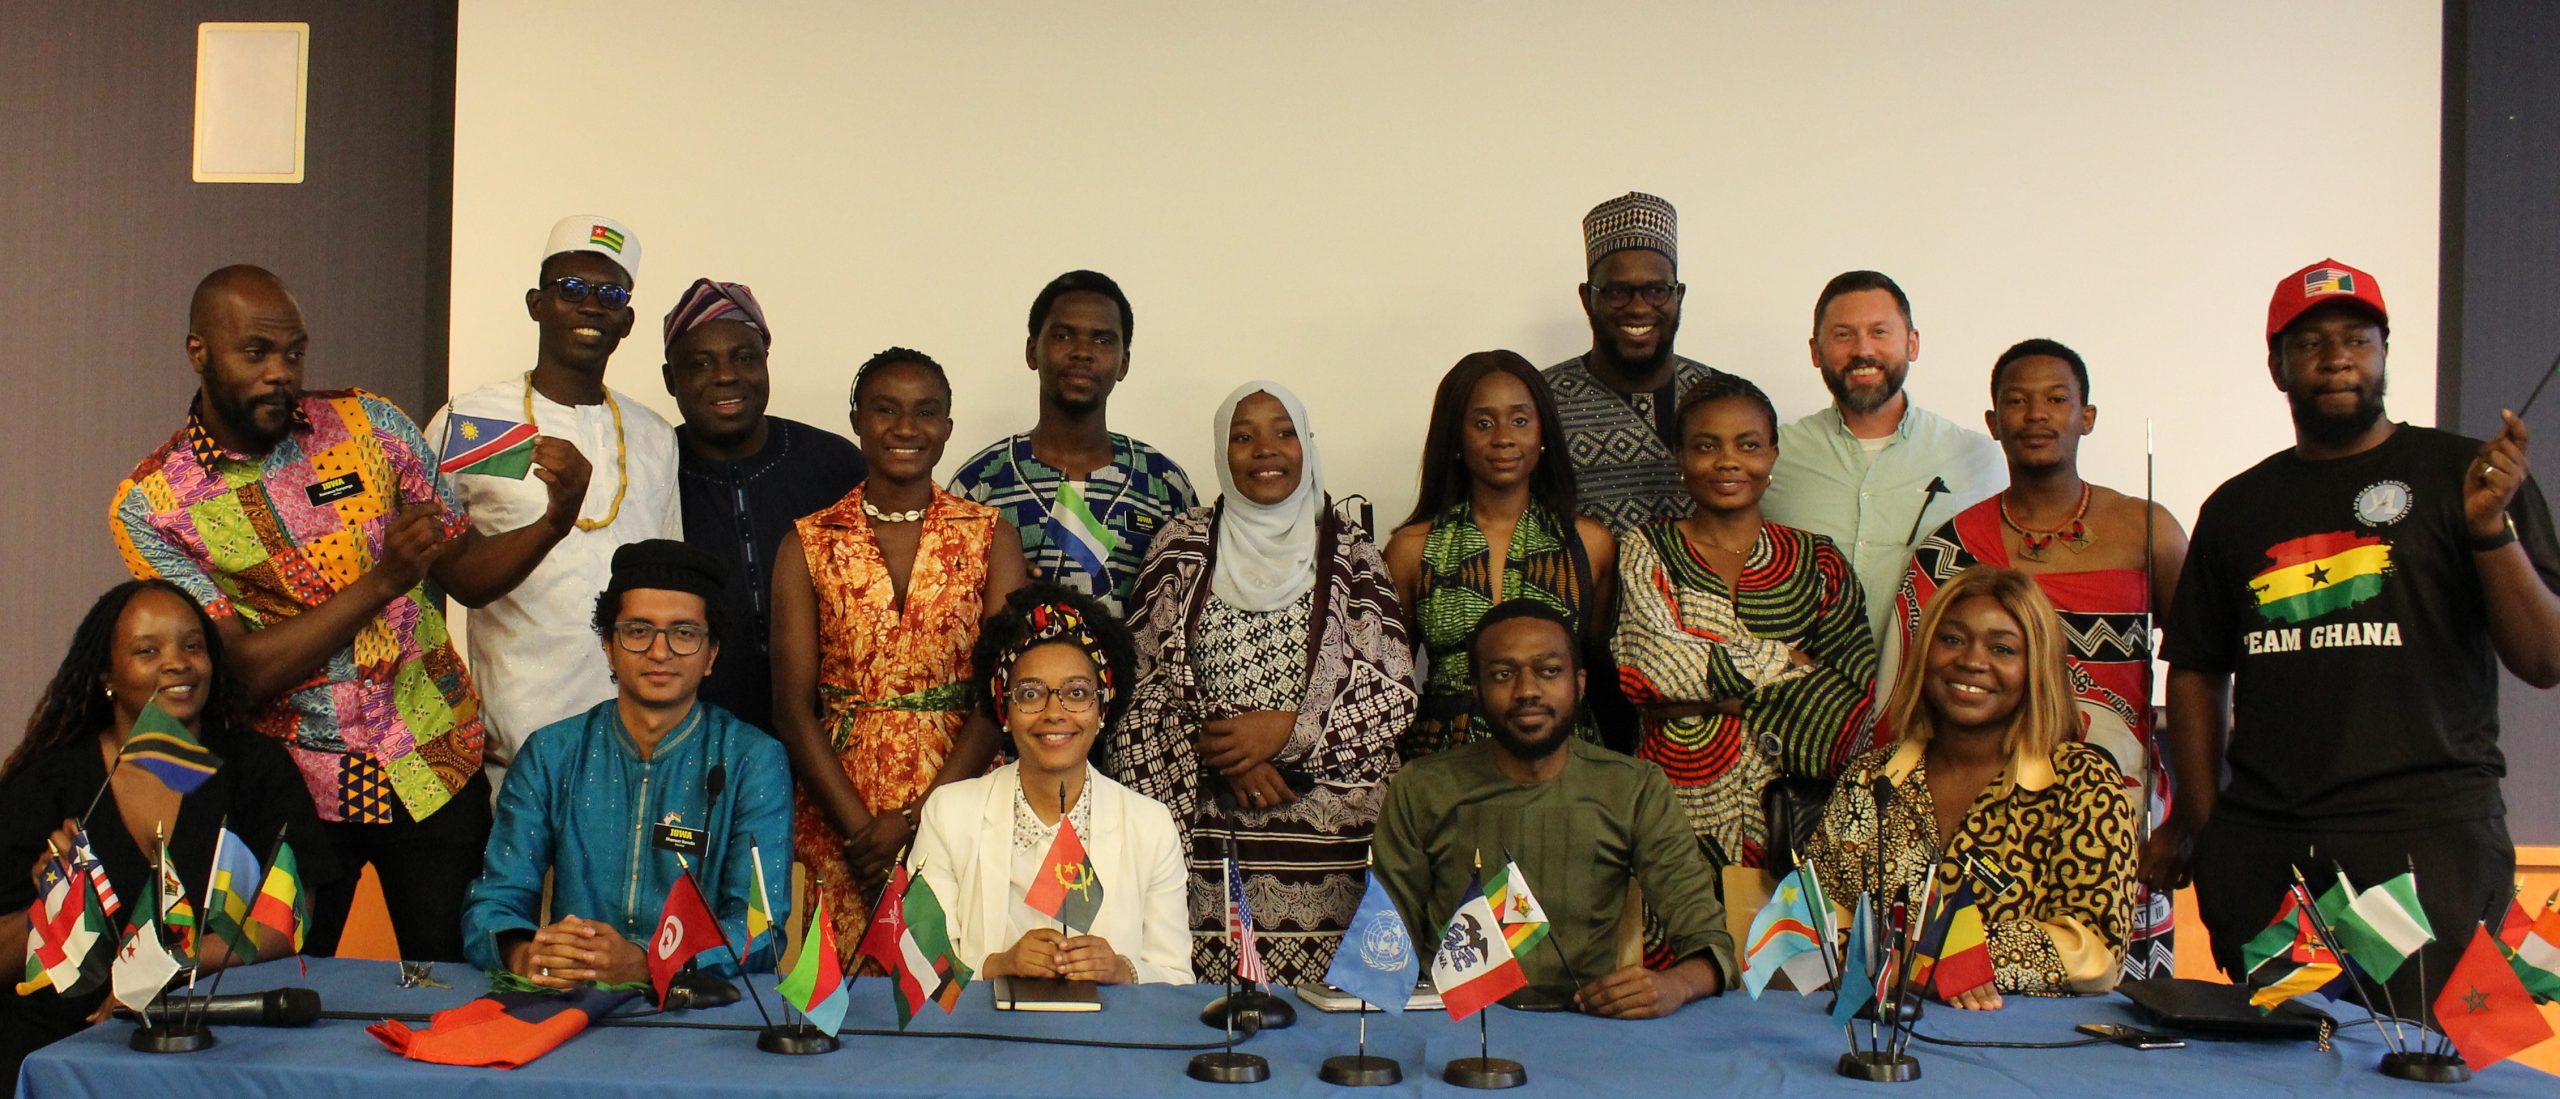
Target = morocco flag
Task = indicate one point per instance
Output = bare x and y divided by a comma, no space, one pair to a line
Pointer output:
2485,1009
1474,966
685,928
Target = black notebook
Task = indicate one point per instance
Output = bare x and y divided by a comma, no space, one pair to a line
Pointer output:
1044,994
2203,1007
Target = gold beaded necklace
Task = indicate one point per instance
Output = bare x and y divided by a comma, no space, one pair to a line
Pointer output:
621,471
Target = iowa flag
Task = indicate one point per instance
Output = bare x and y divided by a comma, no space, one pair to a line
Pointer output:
487,446
2319,574
161,745
1067,890
1474,966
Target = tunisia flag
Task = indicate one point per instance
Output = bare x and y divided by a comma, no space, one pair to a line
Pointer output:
685,928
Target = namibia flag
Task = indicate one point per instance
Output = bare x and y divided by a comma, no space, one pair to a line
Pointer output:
485,445
2320,573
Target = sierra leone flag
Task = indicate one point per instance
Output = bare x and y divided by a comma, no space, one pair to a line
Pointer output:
2320,573
1080,535
487,446
161,745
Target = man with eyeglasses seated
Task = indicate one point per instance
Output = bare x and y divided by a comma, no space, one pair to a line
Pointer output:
528,650
1617,400
597,801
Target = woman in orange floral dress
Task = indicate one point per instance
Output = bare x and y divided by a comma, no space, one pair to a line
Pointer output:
876,602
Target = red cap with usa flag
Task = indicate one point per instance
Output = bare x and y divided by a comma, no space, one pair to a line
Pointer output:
2319,284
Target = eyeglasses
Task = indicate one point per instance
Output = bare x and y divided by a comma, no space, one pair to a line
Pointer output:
683,638
1077,695
1655,294
572,289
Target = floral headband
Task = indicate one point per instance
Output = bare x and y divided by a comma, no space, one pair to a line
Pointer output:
1050,623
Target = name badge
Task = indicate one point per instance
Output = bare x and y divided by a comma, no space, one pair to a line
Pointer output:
676,838
335,488
1142,523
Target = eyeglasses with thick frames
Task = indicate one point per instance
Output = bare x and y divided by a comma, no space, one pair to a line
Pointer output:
1655,294
683,638
1077,695
572,289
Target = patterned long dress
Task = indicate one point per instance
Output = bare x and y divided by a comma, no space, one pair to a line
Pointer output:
1545,562
1343,662
894,681
2106,621
1685,636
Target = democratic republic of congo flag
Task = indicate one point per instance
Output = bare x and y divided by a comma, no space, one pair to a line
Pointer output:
486,445
2320,573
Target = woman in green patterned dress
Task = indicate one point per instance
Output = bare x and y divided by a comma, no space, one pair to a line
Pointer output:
1497,504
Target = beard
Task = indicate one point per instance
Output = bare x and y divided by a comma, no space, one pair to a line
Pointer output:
1872,399
2333,428
241,415
1529,747
1604,349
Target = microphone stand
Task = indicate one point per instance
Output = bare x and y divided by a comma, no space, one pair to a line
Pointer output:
175,1033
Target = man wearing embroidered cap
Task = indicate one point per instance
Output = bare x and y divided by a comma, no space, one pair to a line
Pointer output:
1616,400
529,650
2347,603
744,477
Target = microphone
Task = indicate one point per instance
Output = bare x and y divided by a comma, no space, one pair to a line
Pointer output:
718,781
1937,487
277,1007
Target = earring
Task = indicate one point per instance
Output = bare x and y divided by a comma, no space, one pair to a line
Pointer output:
111,694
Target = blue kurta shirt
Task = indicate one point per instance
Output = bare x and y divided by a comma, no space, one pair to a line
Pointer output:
580,802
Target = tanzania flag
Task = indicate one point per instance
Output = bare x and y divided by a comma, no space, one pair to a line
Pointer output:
505,1030
161,745
2291,952
1067,890
2320,573
925,957
2380,927
1080,535
816,982
488,446
2485,1010
281,906
1524,920
227,894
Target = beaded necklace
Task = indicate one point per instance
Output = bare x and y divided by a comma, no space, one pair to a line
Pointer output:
621,470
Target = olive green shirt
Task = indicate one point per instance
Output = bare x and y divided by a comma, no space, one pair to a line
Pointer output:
1579,840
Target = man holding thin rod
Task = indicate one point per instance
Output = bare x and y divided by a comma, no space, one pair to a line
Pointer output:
2341,620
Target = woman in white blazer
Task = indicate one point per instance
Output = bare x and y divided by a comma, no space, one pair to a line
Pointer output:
1054,667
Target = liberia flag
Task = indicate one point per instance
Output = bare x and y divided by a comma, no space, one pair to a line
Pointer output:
488,446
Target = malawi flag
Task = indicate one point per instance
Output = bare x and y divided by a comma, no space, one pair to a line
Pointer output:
815,984
486,445
927,967
2485,1010
1067,890
504,1030
161,745
2320,573
685,928
1474,966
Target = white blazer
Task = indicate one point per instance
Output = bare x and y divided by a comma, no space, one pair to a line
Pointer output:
964,848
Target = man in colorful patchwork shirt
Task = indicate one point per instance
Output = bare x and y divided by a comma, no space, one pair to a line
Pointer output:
2335,644
314,530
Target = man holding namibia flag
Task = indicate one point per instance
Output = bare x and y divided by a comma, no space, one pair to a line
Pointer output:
2350,600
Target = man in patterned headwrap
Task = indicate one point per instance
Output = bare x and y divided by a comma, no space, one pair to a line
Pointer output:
744,477
1616,400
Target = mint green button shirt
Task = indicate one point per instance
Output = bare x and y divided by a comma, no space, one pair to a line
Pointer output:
1825,483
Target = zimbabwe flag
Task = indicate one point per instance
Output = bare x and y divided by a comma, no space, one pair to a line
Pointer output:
2320,573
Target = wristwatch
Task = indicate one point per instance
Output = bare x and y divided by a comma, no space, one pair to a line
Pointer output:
2497,541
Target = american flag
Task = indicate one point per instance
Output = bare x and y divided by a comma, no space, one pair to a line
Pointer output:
1240,929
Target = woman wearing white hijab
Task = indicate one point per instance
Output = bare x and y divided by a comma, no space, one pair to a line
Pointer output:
1274,672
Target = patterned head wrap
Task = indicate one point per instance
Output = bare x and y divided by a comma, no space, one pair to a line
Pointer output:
706,301
1046,624
1631,220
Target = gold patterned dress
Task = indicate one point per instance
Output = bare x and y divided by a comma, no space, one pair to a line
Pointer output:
893,681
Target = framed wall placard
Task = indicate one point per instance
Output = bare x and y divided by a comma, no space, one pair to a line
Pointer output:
252,81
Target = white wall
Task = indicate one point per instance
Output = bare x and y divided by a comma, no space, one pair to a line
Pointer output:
1350,197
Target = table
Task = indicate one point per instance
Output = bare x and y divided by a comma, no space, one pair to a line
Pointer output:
1730,1046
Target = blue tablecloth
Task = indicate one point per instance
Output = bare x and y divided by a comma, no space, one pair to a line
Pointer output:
1729,1046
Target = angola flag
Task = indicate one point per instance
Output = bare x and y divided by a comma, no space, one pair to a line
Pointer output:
488,446
816,982
2320,573
1067,890
161,745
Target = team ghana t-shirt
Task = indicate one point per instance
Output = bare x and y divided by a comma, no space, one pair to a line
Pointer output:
2343,598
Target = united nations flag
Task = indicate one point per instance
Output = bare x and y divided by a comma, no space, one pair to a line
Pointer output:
1377,962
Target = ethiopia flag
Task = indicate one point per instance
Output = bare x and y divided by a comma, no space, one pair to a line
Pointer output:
1067,890
485,445
2319,574
816,982
162,746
